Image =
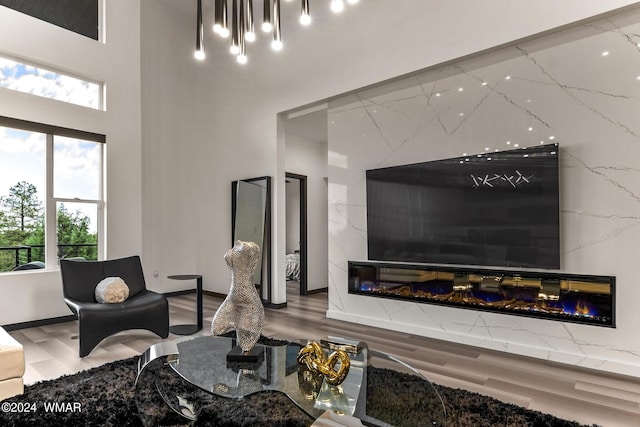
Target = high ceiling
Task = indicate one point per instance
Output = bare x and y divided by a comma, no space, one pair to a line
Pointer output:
312,125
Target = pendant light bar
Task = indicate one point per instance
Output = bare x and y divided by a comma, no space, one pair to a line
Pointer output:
305,17
243,23
267,26
249,30
199,54
242,52
276,43
217,16
224,31
235,29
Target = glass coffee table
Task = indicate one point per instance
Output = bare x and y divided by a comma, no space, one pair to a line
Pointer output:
190,381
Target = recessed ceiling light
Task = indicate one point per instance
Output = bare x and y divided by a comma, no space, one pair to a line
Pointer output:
508,78
461,114
484,83
460,89
508,142
552,137
605,53
530,129
516,145
438,94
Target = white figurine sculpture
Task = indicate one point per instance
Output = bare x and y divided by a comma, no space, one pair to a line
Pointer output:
242,308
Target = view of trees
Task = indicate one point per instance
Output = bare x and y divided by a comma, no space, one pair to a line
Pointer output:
22,225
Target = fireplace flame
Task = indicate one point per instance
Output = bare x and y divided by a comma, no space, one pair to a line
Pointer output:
582,308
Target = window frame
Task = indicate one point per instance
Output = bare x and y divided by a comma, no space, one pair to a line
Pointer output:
101,102
51,202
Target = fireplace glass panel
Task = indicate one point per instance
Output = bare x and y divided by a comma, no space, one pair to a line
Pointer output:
555,296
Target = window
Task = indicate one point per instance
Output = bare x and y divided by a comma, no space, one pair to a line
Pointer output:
39,81
51,195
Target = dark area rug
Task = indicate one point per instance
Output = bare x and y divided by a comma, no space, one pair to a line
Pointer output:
106,396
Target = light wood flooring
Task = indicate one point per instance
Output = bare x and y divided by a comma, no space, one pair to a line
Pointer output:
565,391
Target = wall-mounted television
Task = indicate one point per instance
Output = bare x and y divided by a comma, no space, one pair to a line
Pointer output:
493,209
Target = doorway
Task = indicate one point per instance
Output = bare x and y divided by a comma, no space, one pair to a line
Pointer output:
296,220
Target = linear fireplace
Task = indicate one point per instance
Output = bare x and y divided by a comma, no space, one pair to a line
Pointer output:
556,296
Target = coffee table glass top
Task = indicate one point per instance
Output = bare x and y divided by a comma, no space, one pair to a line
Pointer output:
376,382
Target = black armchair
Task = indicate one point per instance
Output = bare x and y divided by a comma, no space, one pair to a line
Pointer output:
143,309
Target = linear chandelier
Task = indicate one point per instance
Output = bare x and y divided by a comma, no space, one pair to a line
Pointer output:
241,27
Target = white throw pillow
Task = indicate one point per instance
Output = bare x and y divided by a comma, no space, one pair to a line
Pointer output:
112,290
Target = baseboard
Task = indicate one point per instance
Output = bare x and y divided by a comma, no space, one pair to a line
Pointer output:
214,294
178,293
266,305
316,291
41,322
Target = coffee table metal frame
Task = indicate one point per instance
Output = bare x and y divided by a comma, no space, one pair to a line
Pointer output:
201,362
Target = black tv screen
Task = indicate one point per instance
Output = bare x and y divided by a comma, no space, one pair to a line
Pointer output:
493,209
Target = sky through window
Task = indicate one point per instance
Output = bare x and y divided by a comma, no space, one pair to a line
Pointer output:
41,82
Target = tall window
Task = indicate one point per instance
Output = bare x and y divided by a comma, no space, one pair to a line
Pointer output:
51,195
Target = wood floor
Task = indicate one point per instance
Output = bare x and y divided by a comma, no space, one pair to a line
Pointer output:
586,396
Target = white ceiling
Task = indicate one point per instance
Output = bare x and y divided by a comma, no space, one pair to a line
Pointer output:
312,125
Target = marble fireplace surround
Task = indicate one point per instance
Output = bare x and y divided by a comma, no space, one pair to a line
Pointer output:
579,88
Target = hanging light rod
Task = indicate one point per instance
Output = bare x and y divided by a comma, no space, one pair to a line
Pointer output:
199,54
242,26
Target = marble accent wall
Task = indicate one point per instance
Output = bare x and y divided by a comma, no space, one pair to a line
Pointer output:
579,88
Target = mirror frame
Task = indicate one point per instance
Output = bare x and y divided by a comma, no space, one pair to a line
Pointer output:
265,279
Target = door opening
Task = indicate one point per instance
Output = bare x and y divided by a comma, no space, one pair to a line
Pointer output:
296,268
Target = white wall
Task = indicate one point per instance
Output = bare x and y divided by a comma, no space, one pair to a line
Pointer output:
38,295
219,120
309,158
560,89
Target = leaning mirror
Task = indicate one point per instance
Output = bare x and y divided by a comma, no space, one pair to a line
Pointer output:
251,222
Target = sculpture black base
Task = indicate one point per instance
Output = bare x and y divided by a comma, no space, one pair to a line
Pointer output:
237,355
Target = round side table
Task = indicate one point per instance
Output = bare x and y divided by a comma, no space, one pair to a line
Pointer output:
190,329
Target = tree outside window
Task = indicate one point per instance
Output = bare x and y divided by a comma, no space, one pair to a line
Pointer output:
76,167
